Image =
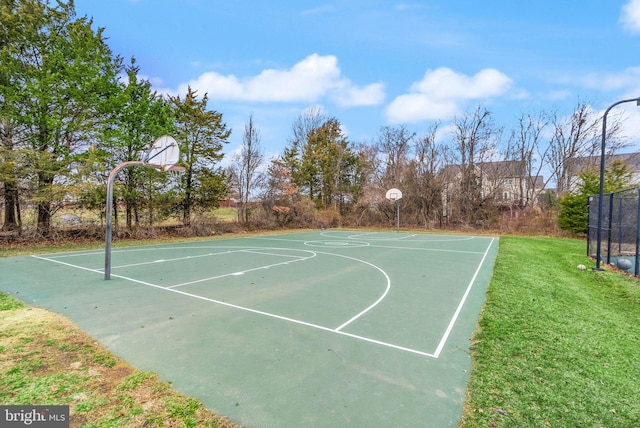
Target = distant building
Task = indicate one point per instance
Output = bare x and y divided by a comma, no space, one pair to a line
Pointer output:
506,183
575,166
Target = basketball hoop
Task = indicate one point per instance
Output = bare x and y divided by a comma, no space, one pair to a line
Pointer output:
163,155
394,195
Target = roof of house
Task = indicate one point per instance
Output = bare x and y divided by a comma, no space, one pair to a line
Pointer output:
494,170
577,165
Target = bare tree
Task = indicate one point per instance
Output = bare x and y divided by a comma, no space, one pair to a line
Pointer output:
474,144
424,185
308,121
575,136
393,155
244,171
394,145
527,145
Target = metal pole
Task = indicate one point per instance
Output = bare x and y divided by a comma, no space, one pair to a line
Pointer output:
610,227
589,201
109,210
637,260
602,161
398,215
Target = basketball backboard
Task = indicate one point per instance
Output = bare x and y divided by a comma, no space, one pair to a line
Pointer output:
394,194
164,153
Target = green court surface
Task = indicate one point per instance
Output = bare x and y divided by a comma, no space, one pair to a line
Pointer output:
324,329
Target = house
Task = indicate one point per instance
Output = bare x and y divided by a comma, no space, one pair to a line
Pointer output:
506,183
575,166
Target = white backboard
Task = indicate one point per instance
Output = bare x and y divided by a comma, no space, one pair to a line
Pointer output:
164,152
394,194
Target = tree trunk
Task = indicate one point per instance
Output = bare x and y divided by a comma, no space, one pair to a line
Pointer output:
11,207
45,181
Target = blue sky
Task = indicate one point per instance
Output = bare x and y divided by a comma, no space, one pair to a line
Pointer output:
375,63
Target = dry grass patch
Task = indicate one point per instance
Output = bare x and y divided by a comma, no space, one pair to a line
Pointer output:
46,359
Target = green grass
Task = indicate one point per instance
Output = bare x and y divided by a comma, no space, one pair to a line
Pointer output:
226,214
556,346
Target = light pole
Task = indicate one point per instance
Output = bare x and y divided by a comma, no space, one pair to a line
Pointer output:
602,156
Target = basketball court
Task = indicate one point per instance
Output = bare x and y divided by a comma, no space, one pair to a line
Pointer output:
324,328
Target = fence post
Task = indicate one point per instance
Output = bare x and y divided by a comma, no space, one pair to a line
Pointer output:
636,267
610,228
620,231
589,201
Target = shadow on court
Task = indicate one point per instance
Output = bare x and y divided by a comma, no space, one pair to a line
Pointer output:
323,329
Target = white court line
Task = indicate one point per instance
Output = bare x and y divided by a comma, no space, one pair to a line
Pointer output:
280,317
252,251
196,257
439,250
345,235
255,311
66,264
241,272
464,298
374,304
176,259
70,254
337,330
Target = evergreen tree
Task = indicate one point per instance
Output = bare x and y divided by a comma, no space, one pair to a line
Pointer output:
201,134
573,214
56,76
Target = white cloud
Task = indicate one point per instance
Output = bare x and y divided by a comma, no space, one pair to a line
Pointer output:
351,96
418,107
442,93
627,79
402,7
327,8
630,17
309,80
561,94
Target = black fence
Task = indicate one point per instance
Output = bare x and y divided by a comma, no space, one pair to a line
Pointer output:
620,237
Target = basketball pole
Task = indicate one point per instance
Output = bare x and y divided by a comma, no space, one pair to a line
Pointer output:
109,209
394,195
109,213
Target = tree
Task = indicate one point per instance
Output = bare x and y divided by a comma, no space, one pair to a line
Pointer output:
474,143
573,206
139,116
243,171
423,185
321,161
280,191
575,136
527,145
56,77
303,173
200,134
394,145
10,165
393,150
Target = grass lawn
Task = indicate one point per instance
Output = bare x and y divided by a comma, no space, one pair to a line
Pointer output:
555,346
46,359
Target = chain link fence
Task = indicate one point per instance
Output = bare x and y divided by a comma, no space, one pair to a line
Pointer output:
620,238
